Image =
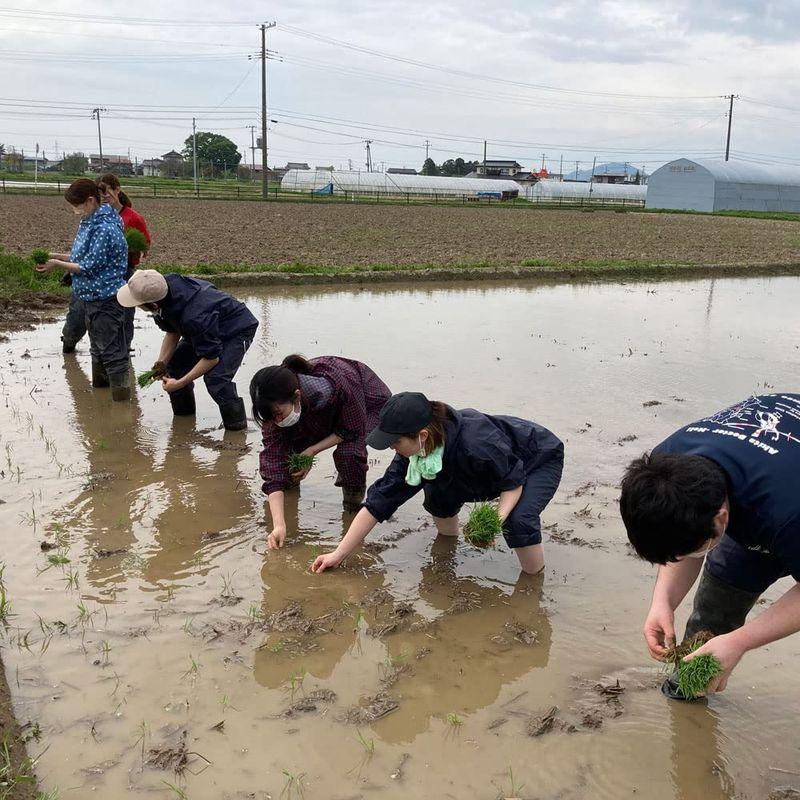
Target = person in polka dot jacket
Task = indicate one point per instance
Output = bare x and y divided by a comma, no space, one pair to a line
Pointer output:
98,262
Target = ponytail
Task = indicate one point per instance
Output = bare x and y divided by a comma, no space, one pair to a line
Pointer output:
297,364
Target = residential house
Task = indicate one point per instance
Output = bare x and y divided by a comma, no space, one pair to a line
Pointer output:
121,165
151,167
496,169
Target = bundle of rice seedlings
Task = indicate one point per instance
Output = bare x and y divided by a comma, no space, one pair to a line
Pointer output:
40,256
299,462
137,242
692,677
483,525
158,371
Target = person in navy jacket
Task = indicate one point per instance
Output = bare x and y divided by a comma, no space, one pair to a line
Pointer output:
724,491
207,334
457,457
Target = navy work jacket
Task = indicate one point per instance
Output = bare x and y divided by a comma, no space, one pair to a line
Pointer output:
202,314
484,455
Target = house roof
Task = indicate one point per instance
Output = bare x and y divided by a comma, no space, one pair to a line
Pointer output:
490,162
172,154
111,159
297,165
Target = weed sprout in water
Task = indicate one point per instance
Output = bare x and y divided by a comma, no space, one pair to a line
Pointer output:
483,525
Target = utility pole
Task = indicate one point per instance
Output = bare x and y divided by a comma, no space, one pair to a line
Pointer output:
427,146
576,169
368,142
561,167
96,115
591,179
252,147
264,180
36,167
484,158
730,97
544,155
194,156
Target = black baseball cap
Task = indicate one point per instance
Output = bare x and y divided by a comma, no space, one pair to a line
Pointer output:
404,413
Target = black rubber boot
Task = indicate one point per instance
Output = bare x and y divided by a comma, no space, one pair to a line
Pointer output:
67,347
234,417
182,402
352,498
718,608
99,376
121,388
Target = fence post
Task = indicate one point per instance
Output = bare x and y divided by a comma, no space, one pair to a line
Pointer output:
4,185
237,193
154,188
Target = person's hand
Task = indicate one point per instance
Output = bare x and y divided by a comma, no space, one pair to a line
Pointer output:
48,265
728,653
171,385
659,630
276,539
327,561
303,473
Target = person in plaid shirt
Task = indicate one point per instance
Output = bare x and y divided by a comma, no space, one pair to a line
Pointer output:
309,406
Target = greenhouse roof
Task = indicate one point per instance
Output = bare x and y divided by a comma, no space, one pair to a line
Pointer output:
742,172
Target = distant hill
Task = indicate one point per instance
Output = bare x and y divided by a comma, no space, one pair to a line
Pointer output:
610,166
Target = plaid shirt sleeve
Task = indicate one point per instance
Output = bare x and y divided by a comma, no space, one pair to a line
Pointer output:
273,460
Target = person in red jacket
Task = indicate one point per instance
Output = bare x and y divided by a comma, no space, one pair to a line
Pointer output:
111,193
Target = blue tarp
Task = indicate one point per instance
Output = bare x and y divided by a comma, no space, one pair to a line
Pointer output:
325,189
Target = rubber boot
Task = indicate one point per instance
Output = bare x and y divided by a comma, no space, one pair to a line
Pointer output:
182,402
99,376
121,388
67,347
352,498
234,417
718,608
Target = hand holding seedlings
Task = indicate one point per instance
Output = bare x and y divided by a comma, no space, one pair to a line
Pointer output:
711,664
40,256
137,242
300,464
483,526
158,370
170,385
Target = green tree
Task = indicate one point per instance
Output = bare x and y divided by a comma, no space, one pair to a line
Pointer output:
2,153
243,173
215,153
429,167
458,167
75,164
13,161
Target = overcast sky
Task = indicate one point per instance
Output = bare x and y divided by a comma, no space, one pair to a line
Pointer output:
625,80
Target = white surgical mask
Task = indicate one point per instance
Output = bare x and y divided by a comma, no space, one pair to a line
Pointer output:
292,418
703,553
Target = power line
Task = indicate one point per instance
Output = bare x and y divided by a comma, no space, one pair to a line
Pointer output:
295,31
114,20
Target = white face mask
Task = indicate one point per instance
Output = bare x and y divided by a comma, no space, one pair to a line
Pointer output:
292,418
703,553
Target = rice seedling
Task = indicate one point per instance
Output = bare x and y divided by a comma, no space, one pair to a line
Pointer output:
137,241
453,720
514,788
367,744
71,579
368,751
57,559
299,462
105,650
193,671
296,683
179,793
692,677
40,256
483,525
144,730
14,777
5,606
155,373
294,786
227,585
187,627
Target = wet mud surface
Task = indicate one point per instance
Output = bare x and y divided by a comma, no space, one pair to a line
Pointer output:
160,648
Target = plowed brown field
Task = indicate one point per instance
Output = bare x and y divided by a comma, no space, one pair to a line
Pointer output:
189,232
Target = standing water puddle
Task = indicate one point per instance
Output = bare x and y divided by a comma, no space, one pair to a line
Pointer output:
162,650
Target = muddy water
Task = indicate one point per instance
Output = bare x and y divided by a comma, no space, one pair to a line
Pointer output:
161,649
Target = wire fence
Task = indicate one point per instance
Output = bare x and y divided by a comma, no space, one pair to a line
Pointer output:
218,190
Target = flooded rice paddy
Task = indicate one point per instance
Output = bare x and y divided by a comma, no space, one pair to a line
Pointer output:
159,650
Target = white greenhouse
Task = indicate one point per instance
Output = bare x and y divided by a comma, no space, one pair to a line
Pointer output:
576,192
356,183
708,185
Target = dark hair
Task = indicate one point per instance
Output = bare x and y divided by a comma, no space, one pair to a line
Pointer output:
435,427
668,504
112,181
81,190
272,385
